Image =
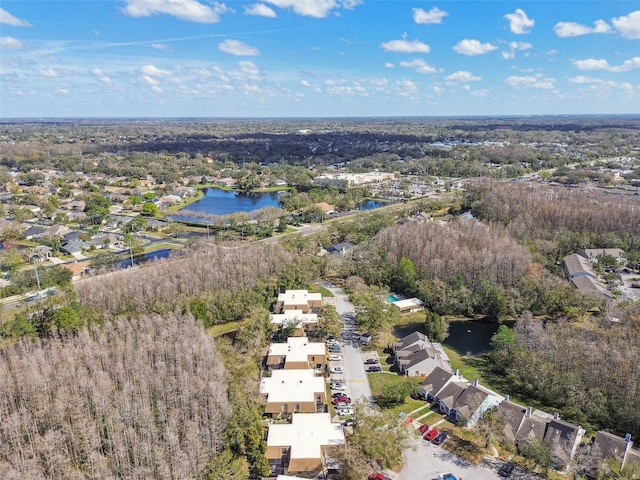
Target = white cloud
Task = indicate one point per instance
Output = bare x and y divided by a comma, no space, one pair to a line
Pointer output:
149,80
529,81
8,19
250,69
305,83
388,65
49,72
189,10
629,25
260,10
351,4
102,78
160,46
508,55
601,64
571,29
405,46
419,66
236,47
520,46
435,15
519,23
308,8
153,71
580,79
473,47
406,87
462,76
10,43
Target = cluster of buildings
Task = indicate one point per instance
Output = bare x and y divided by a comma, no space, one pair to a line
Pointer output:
295,391
464,402
578,267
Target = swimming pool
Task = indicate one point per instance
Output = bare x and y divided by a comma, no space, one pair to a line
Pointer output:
393,298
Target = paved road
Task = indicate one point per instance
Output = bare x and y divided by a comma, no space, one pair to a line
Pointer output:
353,362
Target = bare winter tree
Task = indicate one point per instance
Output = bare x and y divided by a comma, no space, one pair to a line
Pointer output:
144,398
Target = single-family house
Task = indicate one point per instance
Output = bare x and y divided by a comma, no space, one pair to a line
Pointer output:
415,355
294,391
577,266
301,323
33,233
342,248
607,446
57,231
302,445
75,247
469,407
297,353
562,439
78,268
592,254
40,253
298,300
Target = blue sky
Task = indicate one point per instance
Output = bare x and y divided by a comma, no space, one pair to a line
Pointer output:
317,58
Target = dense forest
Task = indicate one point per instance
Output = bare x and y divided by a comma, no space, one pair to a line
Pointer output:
137,398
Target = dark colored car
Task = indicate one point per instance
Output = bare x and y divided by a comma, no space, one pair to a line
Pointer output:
506,470
374,368
423,428
370,361
431,434
440,439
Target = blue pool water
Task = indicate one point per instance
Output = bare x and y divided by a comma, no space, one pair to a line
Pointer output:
393,298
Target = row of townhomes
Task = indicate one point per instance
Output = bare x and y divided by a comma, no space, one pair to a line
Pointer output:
578,267
464,402
295,392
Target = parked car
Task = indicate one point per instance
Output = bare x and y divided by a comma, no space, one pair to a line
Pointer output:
338,394
335,358
338,386
635,285
374,368
370,361
440,439
344,411
424,428
506,470
337,370
431,434
342,399
348,423
378,476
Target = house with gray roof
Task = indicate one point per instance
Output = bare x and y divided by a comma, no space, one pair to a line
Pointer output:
591,254
447,397
533,426
437,380
563,439
609,446
469,407
577,266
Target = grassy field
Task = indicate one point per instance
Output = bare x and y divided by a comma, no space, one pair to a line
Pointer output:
218,330
318,289
381,381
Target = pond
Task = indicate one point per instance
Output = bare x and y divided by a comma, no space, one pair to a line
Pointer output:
138,259
471,337
225,202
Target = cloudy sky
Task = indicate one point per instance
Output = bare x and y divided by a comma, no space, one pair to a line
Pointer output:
317,58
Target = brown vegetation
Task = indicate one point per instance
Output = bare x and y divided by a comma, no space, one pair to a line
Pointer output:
464,248
166,285
144,398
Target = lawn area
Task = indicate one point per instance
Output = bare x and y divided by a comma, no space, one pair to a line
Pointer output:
380,382
225,328
318,289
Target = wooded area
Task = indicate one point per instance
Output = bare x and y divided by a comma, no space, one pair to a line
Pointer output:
136,398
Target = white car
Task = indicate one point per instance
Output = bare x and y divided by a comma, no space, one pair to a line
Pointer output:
345,411
337,370
335,358
338,387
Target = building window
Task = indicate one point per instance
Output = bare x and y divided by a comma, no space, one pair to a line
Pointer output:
296,407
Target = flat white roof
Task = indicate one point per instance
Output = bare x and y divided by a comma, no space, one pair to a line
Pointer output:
306,434
297,349
409,302
296,297
289,477
292,386
293,316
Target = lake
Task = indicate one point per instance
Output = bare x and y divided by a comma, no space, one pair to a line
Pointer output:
224,202
138,259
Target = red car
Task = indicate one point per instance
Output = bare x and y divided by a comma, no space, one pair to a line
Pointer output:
342,398
431,434
423,428
378,476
